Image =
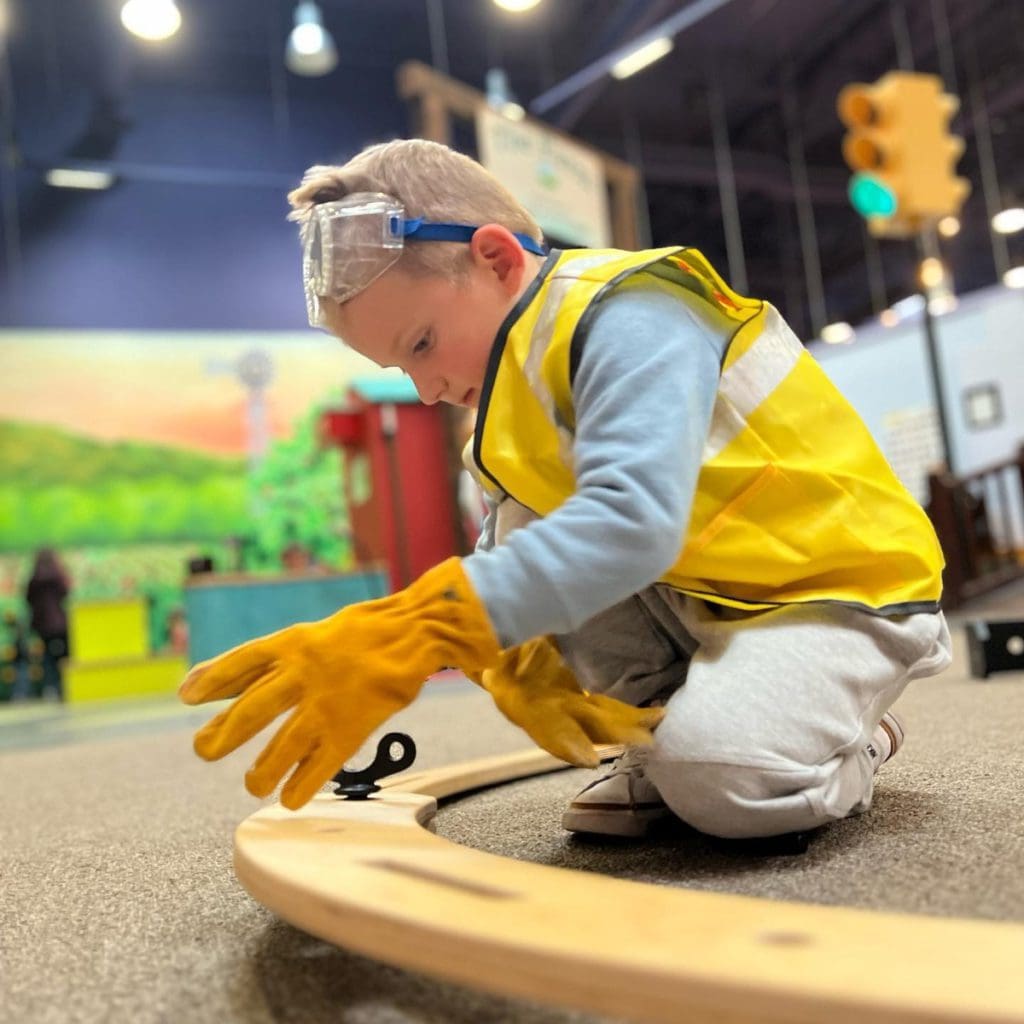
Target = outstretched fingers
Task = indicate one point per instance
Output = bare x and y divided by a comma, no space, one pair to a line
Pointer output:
252,712
289,745
313,771
231,673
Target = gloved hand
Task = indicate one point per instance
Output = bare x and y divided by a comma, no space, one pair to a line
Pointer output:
537,691
343,675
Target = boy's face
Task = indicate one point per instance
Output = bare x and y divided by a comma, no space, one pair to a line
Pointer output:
438,331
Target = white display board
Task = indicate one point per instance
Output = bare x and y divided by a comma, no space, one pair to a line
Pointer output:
912,442
561,184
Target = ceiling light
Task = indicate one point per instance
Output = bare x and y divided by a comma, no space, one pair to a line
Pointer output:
642,57
909,306
942,303
1009,221
500,96
838,333
931,272
517,5
77,177
310,50
1014,277
949,226
151,19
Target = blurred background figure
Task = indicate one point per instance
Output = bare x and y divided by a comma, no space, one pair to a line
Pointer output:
46,593
177,631
295,557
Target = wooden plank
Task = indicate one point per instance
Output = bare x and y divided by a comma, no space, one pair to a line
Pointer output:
368,876
416,80
439,95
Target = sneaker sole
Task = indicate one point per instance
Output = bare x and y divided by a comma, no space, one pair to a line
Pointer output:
894,730
633,824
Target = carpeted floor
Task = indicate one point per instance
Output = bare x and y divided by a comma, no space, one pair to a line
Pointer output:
118,902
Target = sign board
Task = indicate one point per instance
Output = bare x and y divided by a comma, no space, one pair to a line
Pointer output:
561,184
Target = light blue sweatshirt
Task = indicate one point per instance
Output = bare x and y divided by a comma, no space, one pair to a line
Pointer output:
643,395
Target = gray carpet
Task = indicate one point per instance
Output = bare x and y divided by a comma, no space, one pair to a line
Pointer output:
119,904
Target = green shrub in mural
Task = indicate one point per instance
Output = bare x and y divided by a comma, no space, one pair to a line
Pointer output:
64,490
126,517
297,497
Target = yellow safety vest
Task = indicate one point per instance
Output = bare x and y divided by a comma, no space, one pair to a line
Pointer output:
794,501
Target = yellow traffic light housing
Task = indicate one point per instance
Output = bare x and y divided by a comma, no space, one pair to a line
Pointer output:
901,152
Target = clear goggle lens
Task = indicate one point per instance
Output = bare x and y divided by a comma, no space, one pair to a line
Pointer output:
348,244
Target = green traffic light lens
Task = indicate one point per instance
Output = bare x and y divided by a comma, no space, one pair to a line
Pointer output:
871,197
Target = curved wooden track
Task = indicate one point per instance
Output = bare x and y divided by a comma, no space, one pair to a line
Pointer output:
369,876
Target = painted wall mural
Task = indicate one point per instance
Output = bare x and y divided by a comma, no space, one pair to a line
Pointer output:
132,452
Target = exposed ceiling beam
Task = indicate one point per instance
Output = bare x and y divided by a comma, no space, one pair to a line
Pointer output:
754,172
670,27
630,20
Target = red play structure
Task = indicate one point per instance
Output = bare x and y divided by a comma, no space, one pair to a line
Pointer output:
397,478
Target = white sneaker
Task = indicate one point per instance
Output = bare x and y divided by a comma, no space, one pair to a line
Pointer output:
886,740
623,802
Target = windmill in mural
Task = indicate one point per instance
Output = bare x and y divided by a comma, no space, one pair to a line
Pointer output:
254,370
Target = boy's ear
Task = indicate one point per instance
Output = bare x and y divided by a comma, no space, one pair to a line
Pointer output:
495,248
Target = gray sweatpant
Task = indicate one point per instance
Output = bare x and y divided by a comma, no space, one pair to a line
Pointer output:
768,714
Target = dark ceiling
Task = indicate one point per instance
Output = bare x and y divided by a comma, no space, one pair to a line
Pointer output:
765,63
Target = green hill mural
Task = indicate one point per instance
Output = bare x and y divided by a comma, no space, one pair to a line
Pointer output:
67,490
43,455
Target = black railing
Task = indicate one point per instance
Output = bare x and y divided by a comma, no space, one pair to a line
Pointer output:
978,520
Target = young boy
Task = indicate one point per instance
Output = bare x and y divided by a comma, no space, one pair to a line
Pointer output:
678,494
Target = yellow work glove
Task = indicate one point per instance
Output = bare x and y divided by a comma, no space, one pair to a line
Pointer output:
343,675
537,691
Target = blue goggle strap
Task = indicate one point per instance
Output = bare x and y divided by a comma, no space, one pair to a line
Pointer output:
419,230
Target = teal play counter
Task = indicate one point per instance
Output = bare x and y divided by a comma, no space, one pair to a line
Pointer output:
226,610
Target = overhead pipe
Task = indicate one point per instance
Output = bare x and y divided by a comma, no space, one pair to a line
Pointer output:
670,27
727,187
804,208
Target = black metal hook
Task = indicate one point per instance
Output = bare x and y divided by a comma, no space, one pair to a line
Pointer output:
359,785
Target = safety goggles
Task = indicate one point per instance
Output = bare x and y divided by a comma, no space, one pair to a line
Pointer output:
349,243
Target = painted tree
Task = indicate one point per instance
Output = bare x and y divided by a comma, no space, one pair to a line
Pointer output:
297,497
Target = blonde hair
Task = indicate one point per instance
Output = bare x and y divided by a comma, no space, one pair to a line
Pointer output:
431,181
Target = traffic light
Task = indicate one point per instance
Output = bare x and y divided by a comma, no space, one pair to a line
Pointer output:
901,152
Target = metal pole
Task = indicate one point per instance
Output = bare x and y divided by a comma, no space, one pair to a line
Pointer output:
804,207
875,269
438,36
8,173
926,248
51,60
278,79
986,156
634,154
727,187
944,45
791,272
901,36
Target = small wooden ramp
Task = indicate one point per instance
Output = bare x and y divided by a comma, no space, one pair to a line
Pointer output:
371,877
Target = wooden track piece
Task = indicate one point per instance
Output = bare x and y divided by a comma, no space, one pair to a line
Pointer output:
369,876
